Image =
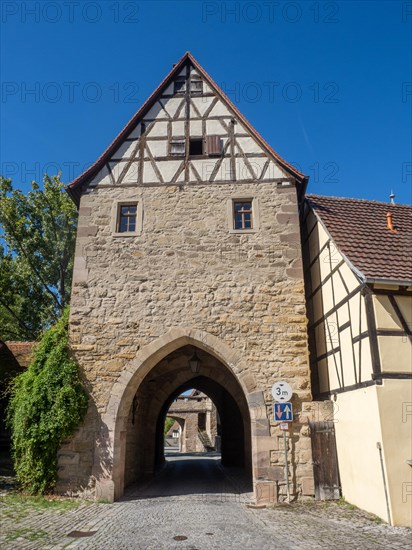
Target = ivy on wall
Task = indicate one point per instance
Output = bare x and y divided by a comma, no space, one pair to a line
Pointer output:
47,404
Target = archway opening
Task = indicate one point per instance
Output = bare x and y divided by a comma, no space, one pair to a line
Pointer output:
226,434
192,424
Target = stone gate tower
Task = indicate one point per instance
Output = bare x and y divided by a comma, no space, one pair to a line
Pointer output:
188,246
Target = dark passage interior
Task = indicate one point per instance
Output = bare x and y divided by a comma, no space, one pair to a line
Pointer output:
159,392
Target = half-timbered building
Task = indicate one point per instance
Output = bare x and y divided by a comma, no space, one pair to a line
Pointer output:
358,270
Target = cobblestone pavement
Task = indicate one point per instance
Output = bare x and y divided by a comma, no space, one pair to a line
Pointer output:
194,505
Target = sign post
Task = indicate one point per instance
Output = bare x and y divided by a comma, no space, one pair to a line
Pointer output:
286,464
283,413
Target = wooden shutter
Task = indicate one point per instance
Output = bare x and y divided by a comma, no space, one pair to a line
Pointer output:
214,146
325,460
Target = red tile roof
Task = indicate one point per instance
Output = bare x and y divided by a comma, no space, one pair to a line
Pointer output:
76,187
359,229
22,351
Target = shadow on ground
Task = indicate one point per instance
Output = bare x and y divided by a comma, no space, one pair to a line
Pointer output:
199,475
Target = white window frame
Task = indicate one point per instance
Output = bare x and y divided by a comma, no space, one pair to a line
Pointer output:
116,213
255,214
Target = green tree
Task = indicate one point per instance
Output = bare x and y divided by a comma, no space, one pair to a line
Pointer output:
47,403
38,232
168,424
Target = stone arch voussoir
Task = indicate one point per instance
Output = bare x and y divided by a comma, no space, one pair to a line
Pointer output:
148,356
122,393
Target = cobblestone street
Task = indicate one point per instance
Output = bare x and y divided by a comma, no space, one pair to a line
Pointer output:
192,505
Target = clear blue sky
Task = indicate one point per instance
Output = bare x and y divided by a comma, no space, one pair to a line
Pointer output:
327,84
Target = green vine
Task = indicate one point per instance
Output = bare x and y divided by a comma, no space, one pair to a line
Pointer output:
47,404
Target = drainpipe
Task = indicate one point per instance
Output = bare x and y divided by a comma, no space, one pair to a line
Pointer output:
379,446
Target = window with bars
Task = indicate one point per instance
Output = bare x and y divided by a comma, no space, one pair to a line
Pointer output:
242,215
126,219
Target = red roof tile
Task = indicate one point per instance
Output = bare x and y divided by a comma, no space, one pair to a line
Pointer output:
359,229
22,351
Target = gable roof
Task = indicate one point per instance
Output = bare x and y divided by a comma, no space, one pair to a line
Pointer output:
76,187
359,229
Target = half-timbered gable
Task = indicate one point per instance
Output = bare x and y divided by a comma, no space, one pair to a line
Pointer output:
188,132
358,272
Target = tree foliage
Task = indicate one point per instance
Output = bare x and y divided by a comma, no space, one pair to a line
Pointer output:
47,404
168,424
38,232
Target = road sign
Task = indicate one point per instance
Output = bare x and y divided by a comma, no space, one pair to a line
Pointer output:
281,392
284,426
283,412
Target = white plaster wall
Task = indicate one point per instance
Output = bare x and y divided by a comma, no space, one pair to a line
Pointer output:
125,150
215,128
248,145
158,148
102,177
157,130
172,104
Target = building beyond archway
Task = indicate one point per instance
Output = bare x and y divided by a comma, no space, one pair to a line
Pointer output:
196,424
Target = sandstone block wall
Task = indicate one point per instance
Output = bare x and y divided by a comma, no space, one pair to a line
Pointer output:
186,269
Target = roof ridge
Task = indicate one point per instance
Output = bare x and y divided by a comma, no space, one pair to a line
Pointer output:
354,199
360,231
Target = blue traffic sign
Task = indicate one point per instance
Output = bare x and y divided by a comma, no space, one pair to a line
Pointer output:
283,412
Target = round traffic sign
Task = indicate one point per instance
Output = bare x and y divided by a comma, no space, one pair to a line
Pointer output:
281,391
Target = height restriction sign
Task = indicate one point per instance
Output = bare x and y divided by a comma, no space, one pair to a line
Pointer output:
281,392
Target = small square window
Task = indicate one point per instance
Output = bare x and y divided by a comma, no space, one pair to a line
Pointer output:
242,215
127,217
196,147
179,85
177,147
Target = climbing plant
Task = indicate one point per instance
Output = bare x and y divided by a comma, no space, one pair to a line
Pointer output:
168,424
47,403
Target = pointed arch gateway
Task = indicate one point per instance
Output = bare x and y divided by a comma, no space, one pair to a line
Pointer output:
139,401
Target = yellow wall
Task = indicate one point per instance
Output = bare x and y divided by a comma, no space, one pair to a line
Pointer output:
366,416
395,351
395,411
358,430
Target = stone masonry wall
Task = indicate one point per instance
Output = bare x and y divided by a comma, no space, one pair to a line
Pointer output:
186,269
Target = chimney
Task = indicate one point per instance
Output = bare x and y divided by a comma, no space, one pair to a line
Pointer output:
392,197
389,221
